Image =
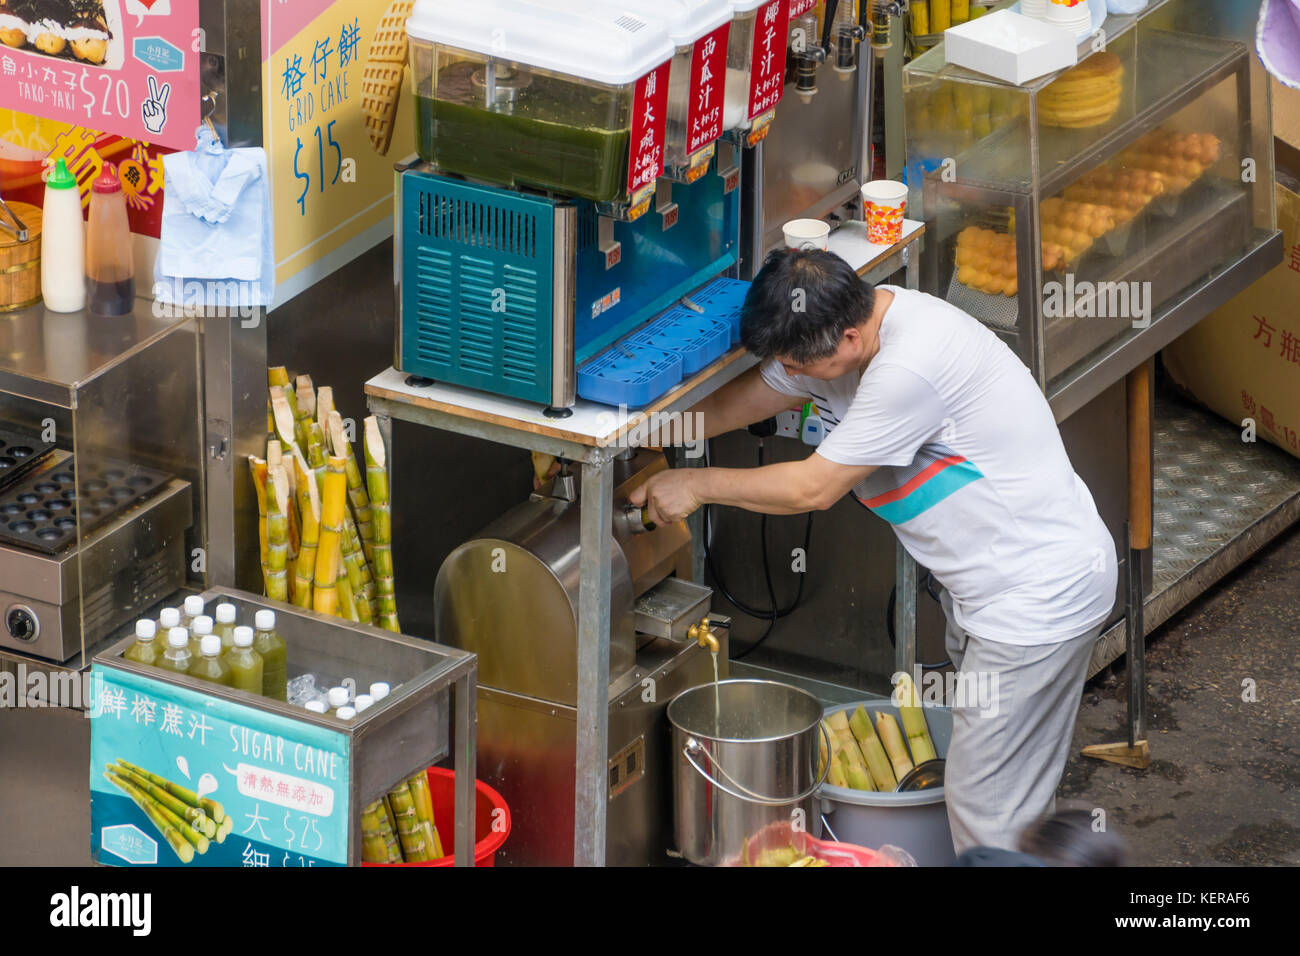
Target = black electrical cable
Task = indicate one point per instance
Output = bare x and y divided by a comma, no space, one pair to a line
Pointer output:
775,612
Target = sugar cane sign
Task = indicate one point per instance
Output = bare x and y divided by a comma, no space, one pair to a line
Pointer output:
179,777
649,122
87,64
767,62
708,74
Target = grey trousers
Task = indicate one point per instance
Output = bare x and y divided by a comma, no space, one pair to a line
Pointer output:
1011,731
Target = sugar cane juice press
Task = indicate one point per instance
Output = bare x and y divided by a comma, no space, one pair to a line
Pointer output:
571,230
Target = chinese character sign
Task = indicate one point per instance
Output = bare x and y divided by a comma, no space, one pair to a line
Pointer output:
178,777
336,114
767,69
799,7
708,82
87,65
649,123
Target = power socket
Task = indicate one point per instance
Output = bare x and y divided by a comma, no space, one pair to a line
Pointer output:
787,424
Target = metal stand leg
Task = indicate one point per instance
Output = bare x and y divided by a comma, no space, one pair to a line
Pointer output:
465,764
591,785
904,611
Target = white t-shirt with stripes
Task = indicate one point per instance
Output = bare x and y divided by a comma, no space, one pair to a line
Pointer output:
972,473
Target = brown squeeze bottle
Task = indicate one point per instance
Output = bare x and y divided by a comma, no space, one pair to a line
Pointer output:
110,273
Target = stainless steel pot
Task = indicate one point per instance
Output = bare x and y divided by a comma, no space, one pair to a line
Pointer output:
742,765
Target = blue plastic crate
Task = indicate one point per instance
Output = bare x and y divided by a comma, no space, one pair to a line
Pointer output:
722,299
698,339
629,375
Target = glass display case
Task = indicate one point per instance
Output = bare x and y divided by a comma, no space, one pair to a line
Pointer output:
101,486
1093,214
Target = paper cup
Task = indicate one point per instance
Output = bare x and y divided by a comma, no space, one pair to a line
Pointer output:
807,234
884,202
1036,9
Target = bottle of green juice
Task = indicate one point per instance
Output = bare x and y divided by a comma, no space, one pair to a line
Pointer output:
143,650
245,663
225,626
191,608
168,618
177,656
275,663
208,665
199,628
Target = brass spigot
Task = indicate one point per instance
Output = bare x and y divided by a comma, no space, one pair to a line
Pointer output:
701,635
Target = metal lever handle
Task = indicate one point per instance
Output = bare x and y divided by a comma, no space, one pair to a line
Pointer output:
636,519
692,746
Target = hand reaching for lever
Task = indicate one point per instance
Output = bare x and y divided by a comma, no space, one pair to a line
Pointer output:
667,496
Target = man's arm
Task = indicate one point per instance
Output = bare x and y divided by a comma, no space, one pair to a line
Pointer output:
742,401
792,487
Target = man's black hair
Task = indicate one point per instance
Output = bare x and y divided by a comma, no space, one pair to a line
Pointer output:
800,304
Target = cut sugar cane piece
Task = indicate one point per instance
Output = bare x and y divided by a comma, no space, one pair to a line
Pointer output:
892,739
283,414
333,500
191,815
860,779
257,468
415,845
309,510
912,715
277,535
304,409
180,846
837,775
379,842
211,807
882,772
357,494
377,483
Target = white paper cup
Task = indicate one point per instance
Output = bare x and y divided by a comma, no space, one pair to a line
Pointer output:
1077,19
807,234
884,204
1037,9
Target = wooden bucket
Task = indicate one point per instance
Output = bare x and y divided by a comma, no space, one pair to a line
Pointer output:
20,262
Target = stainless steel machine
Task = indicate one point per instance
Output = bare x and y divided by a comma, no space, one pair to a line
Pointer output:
510,595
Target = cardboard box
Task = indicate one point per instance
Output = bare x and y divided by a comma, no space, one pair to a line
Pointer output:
1286,113
983,45
1243,360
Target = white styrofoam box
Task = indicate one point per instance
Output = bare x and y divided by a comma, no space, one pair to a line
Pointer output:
1010,47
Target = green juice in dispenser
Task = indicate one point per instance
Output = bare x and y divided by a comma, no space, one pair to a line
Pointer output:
144,650
275,662
208,665
225,625
244,662
177,657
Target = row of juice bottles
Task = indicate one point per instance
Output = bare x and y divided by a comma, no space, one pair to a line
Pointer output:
188,641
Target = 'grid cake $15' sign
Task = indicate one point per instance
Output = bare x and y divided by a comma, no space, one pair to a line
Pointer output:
179,777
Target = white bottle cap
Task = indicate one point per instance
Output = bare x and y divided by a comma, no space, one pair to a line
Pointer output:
363,701
265,620
201,625
338,696
169,617
145,631
225,614
178,637
210,646
243,636
345,713
193,605
315,706
379,690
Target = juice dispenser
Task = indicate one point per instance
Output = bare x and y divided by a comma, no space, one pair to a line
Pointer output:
536,93
700,30
755,68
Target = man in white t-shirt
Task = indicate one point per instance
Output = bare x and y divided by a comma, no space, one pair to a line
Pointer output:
936,426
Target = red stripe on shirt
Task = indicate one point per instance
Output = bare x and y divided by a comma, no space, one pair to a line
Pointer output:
925,475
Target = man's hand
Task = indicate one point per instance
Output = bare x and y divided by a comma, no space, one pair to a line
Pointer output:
667,496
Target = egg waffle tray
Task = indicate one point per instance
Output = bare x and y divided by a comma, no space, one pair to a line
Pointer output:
19,454
40,512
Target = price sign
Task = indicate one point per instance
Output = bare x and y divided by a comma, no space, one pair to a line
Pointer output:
708,81
767,71
649,122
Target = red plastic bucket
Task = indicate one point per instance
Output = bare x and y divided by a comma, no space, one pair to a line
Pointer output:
491,820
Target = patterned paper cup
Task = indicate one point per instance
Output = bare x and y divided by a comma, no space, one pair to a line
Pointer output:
807,234
884,203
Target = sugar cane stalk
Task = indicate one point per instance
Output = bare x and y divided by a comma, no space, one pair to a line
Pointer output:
277,535
211,807
304,409
415,845
378,841
356,488
325,595
175,839
377,483
257,468
191,815
192,834
423,801
309,509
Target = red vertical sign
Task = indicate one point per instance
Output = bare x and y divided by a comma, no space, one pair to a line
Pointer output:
708,79
799,7
767,70
645,155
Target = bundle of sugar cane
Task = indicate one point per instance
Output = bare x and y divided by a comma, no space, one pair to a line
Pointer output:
187,822
378,839
381,519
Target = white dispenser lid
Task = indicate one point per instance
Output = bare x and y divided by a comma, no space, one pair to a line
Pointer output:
607,44
746,6
685,21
